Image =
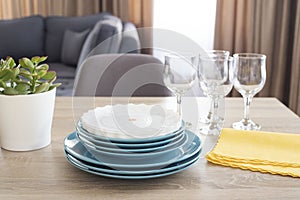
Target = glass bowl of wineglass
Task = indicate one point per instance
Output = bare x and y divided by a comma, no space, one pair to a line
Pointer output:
249,79
215,75
206,119
180,72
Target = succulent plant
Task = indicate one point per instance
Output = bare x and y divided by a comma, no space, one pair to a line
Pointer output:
29,76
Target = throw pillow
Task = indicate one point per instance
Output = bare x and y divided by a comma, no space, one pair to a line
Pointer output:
104,38
71,46
55,27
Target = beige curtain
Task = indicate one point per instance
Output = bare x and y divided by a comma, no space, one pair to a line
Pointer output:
140,12
268,27
294,101
19,8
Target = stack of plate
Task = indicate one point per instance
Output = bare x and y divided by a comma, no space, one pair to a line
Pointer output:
131,145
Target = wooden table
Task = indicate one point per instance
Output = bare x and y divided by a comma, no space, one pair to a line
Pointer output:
45,173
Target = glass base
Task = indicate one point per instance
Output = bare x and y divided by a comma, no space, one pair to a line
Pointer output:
210,129
188,125
205,119
246,125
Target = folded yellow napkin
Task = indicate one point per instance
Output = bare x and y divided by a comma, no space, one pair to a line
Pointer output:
276,153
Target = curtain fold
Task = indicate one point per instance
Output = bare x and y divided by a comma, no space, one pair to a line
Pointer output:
140,12
294,101
268,27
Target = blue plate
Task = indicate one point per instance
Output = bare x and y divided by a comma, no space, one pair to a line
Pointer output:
130,176
74,147
109,170
133,140
115,149
138,158
136,146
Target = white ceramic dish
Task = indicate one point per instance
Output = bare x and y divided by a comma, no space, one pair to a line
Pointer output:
127,121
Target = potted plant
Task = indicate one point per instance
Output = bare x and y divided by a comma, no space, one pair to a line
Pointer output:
27,97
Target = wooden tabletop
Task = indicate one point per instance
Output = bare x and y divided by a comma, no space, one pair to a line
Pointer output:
45,173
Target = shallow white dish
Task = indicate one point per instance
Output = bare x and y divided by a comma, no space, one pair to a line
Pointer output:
127,121
137,141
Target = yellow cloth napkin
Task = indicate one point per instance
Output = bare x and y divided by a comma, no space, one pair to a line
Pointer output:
276,153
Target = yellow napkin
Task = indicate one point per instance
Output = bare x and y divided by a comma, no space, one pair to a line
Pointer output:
276,153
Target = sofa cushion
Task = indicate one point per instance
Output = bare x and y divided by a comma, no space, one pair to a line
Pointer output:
62,70
130,39
56,27
22,37
101,35
71,47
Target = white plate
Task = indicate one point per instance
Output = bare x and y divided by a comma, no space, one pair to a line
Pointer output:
138,143
130,121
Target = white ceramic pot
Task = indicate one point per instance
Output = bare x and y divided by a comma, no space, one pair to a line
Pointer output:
26,120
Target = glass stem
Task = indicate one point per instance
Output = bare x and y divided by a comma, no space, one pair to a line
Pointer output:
247,102
179,107
215,107
210,112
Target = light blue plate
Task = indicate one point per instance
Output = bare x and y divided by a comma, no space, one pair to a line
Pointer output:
135,147
130,176
133,140
139,158
74,147
109,170
141,151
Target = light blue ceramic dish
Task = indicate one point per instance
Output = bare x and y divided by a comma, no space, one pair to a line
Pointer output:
109,170
74,147
138,158
130,176
135,147
117,150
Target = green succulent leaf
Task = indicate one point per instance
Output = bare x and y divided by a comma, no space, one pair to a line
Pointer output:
10,91
3,73
16,72
38,59
7,75
42,88
49,75
41,73
43,67
26,63
22,87
26,75
35,59
2,84
10,62
54,86
22,81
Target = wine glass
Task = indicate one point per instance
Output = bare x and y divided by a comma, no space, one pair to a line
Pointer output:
249,79
179,76
206,119
215,75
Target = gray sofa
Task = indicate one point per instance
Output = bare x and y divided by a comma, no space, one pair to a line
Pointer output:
67,41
